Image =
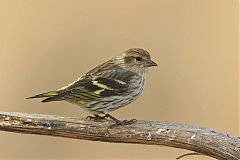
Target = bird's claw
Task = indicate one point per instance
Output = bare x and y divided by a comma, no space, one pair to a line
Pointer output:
127,122
123,123
96,118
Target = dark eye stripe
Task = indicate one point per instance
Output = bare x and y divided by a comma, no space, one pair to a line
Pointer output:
138,58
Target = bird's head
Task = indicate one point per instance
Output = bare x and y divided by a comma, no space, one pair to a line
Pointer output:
135,59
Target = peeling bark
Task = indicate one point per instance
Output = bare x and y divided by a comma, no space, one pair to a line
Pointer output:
198,139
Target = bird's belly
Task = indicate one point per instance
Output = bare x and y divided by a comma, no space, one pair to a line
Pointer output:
111,103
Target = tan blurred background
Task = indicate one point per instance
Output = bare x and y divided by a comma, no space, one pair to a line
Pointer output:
46,44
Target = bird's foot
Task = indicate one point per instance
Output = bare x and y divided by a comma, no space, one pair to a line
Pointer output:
126,122
123,123
96,118
120,123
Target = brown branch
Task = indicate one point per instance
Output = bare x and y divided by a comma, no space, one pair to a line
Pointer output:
201,140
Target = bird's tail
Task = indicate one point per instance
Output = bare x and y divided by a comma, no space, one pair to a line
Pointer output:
45,95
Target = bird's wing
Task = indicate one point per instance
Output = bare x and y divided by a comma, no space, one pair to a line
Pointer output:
95,85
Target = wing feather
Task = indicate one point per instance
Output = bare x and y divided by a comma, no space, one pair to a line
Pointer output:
95,85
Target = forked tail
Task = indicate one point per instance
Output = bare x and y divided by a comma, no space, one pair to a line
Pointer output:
48,95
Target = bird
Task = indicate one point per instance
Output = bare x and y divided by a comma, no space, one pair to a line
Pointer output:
107,87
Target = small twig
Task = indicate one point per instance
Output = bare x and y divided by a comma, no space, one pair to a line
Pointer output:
190,154
201,140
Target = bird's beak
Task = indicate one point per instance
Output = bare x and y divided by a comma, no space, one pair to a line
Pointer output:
150,63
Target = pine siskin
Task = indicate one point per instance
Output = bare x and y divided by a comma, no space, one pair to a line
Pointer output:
107,87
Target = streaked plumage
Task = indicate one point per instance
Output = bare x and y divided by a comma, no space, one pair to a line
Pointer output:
109,86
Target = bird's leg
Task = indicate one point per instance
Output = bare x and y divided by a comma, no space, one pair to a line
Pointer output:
118,122
96,117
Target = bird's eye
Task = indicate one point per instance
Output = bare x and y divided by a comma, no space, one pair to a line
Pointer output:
138,58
